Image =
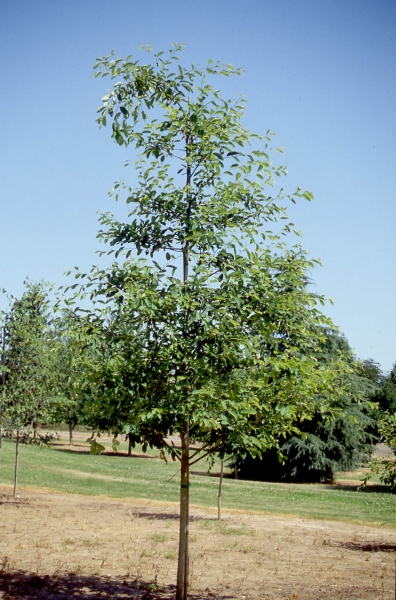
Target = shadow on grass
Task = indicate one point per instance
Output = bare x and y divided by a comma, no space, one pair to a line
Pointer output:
374,547
22,585
77,449
368,489
151,516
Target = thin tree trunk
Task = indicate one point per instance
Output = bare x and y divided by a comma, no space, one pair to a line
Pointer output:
219,494
129,445
2,387
70,423
16,463
182,567
236,472
186,249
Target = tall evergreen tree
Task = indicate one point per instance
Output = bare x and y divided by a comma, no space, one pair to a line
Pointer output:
386,394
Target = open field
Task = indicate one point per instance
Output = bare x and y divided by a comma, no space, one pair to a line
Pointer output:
144,476
105,539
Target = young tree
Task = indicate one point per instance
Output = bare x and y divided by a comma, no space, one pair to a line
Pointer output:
3,322
28,354
221,349
71,390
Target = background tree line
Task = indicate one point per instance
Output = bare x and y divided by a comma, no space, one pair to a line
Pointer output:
48,377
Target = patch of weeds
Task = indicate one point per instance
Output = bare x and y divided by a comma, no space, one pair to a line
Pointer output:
193,537
206,524
228,547
247,548
41,543
225,529
158,537
151,587
88,542
81,525
68,542
170,555
243,530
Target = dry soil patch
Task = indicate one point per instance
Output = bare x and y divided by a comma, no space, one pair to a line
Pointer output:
68,546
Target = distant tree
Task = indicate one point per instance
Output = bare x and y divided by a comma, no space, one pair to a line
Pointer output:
383,393
385,466
387,394
29,356
385,416
327,443
70,391
372,370
4,333
28,389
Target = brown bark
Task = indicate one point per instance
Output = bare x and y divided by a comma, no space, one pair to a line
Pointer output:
70,433
129,446
2,386
16,463
219,494
182,567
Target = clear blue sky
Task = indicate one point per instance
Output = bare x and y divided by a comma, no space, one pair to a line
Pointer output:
320,73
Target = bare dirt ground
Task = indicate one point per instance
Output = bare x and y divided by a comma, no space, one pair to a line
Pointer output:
68,546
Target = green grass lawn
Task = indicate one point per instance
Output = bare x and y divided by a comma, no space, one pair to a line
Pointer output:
118,476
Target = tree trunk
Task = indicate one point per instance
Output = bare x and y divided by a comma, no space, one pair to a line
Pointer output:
236,472
16,463
2,386
129,445
219,494
182,567
70,432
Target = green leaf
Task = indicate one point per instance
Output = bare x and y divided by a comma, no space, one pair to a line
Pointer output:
96,448
114,444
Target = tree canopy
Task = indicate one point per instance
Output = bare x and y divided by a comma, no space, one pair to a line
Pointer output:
326,443
29,359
